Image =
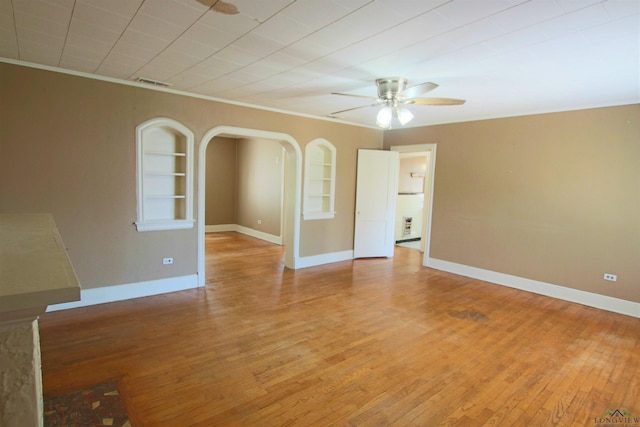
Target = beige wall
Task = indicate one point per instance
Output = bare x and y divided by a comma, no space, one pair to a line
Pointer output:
67,146
244,183
260,173
220,183
550,197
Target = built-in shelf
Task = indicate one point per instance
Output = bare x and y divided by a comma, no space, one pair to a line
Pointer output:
320,175
165,152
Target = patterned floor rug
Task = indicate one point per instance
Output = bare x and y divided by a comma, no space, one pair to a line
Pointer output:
100,405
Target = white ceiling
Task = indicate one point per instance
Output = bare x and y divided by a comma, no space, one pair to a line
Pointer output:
505,57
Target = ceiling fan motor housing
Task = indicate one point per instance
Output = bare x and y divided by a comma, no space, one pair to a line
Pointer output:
390,87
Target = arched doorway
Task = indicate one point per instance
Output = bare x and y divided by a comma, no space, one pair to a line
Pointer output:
292,177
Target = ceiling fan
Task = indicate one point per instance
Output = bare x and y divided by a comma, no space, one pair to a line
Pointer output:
393,94
220,6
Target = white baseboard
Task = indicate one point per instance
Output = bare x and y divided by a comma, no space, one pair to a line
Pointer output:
312,261
219,228
244,230
259,235
129,291
301,262
616,305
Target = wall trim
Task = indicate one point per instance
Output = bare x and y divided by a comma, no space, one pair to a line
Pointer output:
174,91
272,238
604,302
430,178
314,260
259,234
129,291
293,191
115,80
301,262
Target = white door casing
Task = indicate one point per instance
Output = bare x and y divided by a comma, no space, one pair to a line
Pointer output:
376,190
428,192
292,175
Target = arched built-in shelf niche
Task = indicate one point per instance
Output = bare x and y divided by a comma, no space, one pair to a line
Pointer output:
319,180
164,175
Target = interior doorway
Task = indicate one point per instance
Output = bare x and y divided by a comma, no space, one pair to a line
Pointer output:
409,223
291,207
429,153
245,187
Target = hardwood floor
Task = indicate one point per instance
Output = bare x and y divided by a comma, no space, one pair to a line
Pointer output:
369,342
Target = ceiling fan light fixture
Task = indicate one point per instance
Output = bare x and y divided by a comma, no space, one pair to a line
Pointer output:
387,114
383,119
393,95
390,87
404,116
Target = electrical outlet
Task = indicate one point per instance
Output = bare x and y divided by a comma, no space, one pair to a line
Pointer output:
259,221
167,261
610,277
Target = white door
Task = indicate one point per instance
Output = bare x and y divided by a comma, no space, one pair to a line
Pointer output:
376,190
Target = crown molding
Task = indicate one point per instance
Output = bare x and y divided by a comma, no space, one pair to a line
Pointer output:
174,91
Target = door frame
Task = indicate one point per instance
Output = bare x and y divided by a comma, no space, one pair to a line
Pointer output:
292,191
428,200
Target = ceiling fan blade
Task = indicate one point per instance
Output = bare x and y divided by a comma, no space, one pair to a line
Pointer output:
355,96
417,90
225,8
435,101
220,6
351,109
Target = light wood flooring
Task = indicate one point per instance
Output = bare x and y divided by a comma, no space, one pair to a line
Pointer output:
376,342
